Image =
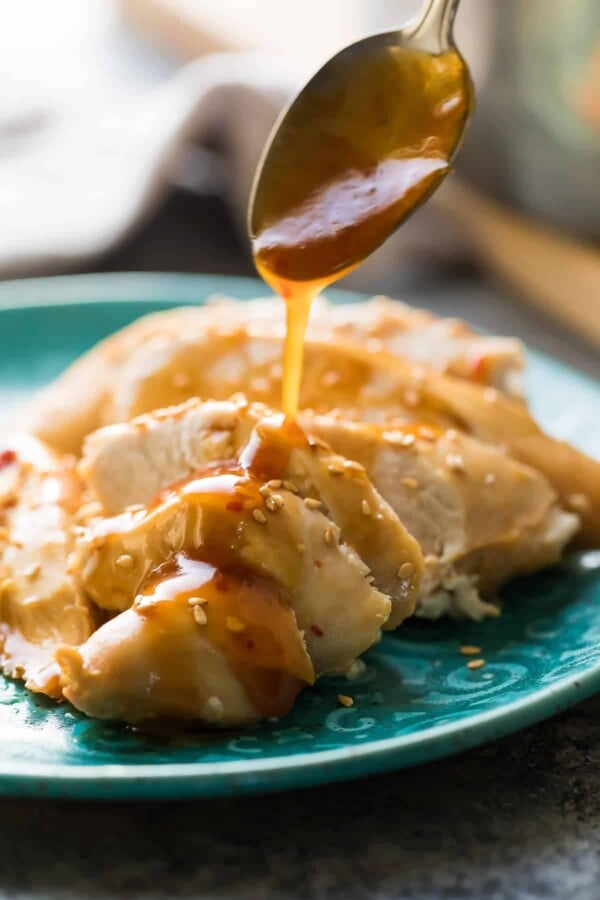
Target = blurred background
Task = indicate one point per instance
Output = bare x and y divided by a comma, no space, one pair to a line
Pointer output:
130,129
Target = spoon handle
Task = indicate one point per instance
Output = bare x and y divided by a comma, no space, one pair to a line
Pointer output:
433,26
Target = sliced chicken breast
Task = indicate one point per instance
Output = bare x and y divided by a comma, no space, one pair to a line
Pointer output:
40,605
128,464
230,566
480,517
75,404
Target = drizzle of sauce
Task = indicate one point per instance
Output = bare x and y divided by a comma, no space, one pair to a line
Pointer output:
246,616
358,151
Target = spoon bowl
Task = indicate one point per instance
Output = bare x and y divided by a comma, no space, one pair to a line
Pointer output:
364,143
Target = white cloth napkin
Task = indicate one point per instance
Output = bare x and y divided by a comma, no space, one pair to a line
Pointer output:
75,189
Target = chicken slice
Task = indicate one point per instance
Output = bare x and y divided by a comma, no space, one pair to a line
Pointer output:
40,605
165,657
479,516
364,386
412,334
128,464
150,365
263,575
75,403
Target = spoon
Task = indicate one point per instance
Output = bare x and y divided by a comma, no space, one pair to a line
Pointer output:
364,143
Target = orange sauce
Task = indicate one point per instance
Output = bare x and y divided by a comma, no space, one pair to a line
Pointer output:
247,617
359,150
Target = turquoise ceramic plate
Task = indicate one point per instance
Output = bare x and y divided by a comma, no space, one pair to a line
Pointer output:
416,700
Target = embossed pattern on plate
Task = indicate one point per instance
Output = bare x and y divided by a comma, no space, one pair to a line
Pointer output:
416,699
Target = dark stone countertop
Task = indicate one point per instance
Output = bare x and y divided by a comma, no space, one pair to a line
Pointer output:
513,820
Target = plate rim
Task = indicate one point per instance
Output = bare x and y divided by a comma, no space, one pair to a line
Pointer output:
194,779
177,780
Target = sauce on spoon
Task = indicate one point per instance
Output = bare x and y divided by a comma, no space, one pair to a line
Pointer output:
361,147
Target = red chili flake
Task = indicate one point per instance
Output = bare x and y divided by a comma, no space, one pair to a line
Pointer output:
250,645
318,563
221,584
235,505
316,630
7,457
477,366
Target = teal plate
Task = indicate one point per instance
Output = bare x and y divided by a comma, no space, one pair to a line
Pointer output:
415,702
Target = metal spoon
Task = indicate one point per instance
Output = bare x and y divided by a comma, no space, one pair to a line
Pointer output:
362,145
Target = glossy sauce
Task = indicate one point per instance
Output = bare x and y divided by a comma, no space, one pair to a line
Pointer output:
248,617
360,149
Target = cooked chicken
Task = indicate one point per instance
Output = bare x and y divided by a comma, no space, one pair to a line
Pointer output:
165,657
81,399
39,604
213,352
363,386
479,516
128,464
265,569
415,335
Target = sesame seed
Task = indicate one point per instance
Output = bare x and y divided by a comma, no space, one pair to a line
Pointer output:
274,484
301,548
274,502
427,433
455,462
365,508
407,440
291,486
490,395
32,570
476,663
392,437
213,708
406,570
355,669
124,561
312,503
345,700
490,478
200,615
470,650
353,465
234,624
430,560
316,442
452,434
578,503
329,379
410,483
197,601
264,490
259,516
330,536
336,468
180,380
412,397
